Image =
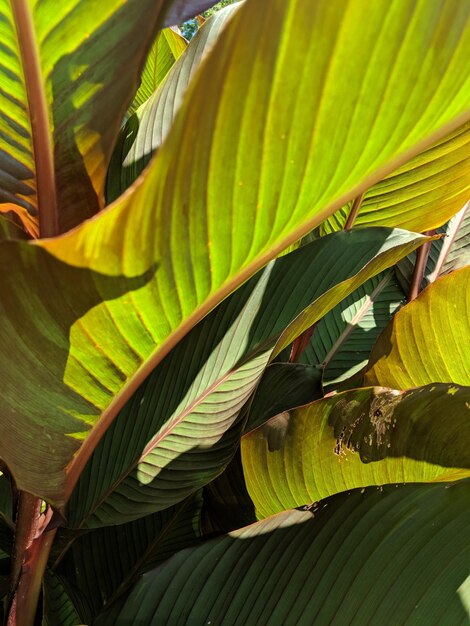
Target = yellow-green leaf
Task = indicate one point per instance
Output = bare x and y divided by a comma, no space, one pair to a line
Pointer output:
370,436
428,340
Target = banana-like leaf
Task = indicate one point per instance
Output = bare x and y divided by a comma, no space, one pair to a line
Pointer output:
283,387
420,195
449,253
401,555
227,504
370,436
427,341
89,315
182,10
144,132
342,341
104,563
456,252
62,100
63,604
166,50
188,410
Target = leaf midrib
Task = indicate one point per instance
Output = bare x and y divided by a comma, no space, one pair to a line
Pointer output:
76,466
357,317
38,118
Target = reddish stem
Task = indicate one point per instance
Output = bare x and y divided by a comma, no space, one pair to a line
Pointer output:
354,211
420,268
300,344
30,554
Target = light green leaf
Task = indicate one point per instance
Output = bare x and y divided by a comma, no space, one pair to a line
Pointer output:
420,195
62,100
188,410
363,437
428,340
230,188
401,554
167,49
144,132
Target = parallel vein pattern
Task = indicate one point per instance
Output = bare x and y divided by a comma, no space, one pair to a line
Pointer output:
228,190
351,560
428,340
183,425
63,95
371,436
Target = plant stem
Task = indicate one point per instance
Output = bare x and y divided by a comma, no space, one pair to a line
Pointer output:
354,211
420,268
30,554
300,344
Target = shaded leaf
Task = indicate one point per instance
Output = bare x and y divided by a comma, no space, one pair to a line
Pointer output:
283,387
342,341
227,504
189,233
104,563
63,604
356,558
188,410
363,437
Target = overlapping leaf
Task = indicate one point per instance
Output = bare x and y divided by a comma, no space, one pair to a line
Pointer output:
420,195
230,188
357,558
167,49
104,563
449,253
342,341
62,100
284,386
145,130
183,425
371,436
428,340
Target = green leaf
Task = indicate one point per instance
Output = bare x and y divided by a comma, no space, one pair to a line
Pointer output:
283,387
227,504
428,340
167,49
445,255
456,253
144,132
230,188
420,195
104,563
363,437
188,410
63,604
62,100
342,341
357,558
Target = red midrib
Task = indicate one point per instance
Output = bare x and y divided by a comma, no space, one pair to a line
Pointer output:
39,119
